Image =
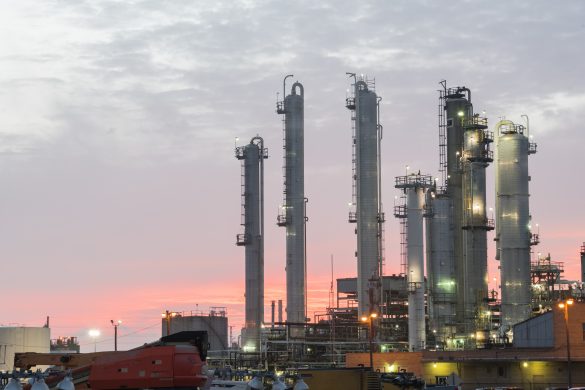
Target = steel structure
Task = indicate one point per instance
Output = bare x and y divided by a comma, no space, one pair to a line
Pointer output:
366,206
415,186
252,156
293,213
440,267
513,235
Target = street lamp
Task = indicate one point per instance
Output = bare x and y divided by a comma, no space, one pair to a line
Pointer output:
116,324
369,319
94,334
565,305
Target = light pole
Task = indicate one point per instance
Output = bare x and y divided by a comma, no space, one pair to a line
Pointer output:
116,324
369,319
94,334
565,305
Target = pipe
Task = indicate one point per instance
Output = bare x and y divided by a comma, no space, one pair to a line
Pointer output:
284,86
527,126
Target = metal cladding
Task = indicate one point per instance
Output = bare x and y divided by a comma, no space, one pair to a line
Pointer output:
476,156
513,235
252,157
415,186
366,194
440,266
293,215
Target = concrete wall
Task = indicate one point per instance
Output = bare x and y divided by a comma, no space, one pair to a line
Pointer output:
216,327
22,339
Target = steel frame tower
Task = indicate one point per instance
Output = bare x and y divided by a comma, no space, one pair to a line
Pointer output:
293,213
415,186
252,156
513,235
366,206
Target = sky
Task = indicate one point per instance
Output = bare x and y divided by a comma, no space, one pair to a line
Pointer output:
120,192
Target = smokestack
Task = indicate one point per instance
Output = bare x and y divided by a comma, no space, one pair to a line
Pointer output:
272,314
280,311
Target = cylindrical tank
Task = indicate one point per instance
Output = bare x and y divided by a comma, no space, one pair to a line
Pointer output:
253,155
415,268
440,267
294,184
367,200
513,219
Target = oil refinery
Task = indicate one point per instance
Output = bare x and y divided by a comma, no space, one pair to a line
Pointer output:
439,306
435,322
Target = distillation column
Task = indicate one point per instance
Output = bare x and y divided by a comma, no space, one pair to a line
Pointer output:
415,186
366,197
252,157
293,216
476,157
440,266
456,104
513,235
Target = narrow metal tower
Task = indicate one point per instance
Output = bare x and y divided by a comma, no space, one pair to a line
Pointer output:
513,234
366,206
293,213
476,157
252,156
440,266
415,186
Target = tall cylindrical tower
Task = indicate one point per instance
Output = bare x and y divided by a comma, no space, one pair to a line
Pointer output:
513,235
252,157
368,213
456,105
440,267
476,156
414,186
292,215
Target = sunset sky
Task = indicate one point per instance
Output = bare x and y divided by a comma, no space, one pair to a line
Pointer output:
120,193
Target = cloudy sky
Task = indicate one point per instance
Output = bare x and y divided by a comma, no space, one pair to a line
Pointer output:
119,193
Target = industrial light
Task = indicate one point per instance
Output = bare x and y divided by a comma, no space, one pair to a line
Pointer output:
374,315
569,301
434,364
460,113
525,364
364,318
